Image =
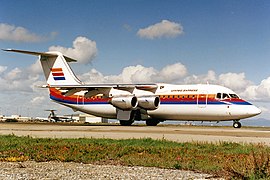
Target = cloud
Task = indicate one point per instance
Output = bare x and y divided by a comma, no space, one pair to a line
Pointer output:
259,92
138,74
14,74
93,76
15,85
173,72
264,109
210,77
38,100
17,80
20,94
36,68
234,81
84,50
164,28
20,34
2,69
130,74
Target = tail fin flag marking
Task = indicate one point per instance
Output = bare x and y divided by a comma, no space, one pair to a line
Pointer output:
58,74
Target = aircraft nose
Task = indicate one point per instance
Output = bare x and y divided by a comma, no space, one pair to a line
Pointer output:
254,111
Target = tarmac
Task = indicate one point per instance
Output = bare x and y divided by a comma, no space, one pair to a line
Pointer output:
168,132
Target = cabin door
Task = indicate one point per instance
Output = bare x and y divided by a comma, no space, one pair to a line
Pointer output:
80,100
202,99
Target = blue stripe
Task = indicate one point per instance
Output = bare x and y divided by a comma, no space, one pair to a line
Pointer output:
59,78
216,103
241,103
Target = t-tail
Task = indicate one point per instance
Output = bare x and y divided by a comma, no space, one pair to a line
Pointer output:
55,67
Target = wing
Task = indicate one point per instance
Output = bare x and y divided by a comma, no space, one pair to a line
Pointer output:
94,89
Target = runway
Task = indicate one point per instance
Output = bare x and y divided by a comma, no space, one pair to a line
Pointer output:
168,132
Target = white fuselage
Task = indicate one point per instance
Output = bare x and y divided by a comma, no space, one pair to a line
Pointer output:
177,102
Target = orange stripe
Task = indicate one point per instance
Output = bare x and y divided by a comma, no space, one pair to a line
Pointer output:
56,69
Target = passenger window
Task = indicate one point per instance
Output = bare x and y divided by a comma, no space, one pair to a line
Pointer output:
218,96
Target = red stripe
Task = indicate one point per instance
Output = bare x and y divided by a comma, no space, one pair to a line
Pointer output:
58,74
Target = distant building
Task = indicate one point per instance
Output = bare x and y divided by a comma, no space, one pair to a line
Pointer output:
15,118
80,118
86,118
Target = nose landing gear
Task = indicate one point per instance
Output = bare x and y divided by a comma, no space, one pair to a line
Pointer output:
237,124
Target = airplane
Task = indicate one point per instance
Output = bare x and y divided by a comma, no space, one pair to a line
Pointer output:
53,117
153,102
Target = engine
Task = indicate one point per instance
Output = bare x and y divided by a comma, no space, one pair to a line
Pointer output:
148,102
124,102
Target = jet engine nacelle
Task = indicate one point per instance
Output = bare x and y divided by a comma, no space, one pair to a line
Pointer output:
148,102
125,102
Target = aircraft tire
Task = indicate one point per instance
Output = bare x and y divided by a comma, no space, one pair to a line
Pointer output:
237,125
152,122
126,123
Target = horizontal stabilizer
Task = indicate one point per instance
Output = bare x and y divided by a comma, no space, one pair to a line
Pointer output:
47,54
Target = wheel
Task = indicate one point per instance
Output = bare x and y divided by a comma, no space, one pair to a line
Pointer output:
126,123
152,122
237,124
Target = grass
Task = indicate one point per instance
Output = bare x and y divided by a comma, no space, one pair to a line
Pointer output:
223,159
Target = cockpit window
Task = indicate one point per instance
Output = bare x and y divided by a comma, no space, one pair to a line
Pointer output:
234,96
225,96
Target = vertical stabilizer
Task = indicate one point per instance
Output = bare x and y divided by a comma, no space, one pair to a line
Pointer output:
57,71
55,67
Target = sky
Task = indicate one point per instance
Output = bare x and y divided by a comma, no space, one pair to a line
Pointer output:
223,42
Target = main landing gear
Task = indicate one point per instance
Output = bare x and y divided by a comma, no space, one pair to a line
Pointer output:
152,122
126,123
237,124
